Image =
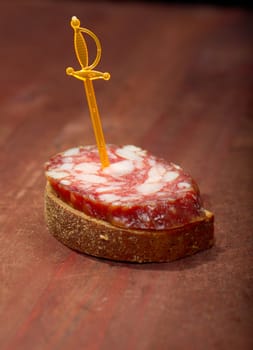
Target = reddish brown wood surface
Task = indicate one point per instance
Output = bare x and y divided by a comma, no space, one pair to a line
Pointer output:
181,86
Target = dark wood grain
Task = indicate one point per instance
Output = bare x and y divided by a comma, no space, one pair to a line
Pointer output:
181,86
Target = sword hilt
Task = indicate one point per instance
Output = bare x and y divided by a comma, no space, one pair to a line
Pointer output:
81,47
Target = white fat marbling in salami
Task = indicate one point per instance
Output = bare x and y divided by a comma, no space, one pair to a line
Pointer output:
137,190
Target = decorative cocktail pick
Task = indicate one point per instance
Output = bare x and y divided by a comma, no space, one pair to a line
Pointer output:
87,74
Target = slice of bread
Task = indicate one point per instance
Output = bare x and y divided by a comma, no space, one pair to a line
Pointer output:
99,238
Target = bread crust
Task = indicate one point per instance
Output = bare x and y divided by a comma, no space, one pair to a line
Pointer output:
101,239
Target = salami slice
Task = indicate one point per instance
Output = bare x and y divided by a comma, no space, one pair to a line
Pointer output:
137,190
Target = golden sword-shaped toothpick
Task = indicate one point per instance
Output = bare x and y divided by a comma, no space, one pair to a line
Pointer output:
87,74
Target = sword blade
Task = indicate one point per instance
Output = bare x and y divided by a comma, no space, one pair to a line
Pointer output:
96,122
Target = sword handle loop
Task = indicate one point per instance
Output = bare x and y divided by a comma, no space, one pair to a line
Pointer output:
81,47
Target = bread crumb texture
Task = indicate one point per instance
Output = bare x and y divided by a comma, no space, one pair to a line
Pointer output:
101,239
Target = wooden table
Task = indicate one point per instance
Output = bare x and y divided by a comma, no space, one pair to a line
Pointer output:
181,86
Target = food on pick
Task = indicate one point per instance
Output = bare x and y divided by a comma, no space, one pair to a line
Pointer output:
140,208
121,203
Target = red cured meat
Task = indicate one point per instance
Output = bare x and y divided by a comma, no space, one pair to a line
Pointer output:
137,190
